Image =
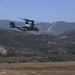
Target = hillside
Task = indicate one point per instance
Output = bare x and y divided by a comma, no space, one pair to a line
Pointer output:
14,43
21,44
68,33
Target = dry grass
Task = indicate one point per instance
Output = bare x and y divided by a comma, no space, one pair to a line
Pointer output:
49,68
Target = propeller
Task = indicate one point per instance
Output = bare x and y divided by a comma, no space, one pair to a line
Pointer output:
27,19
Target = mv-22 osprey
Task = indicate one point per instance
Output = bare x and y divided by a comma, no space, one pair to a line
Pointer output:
25,28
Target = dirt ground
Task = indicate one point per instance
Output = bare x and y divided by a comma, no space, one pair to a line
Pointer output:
48,68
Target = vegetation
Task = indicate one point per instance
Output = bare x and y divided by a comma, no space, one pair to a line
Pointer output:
40,48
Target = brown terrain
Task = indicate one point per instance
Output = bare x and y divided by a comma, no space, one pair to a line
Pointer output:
48,68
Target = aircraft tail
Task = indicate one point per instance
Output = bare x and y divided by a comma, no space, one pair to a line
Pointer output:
12,25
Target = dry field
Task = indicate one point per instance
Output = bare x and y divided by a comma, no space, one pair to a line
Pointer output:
49,68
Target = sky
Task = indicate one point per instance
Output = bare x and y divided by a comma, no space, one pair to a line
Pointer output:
38,10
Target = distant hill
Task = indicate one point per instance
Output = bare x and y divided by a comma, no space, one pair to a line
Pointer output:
5,24
62,26
54,28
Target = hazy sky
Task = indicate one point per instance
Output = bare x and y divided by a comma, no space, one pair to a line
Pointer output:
39,10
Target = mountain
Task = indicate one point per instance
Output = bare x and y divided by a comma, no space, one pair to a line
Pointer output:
44,47
54,28
19,43
62,26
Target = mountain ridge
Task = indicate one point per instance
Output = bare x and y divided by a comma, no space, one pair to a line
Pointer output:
54,28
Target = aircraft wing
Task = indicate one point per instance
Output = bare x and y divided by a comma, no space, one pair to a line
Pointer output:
21,28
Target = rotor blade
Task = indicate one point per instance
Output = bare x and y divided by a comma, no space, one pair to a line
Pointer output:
23,18
26,19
